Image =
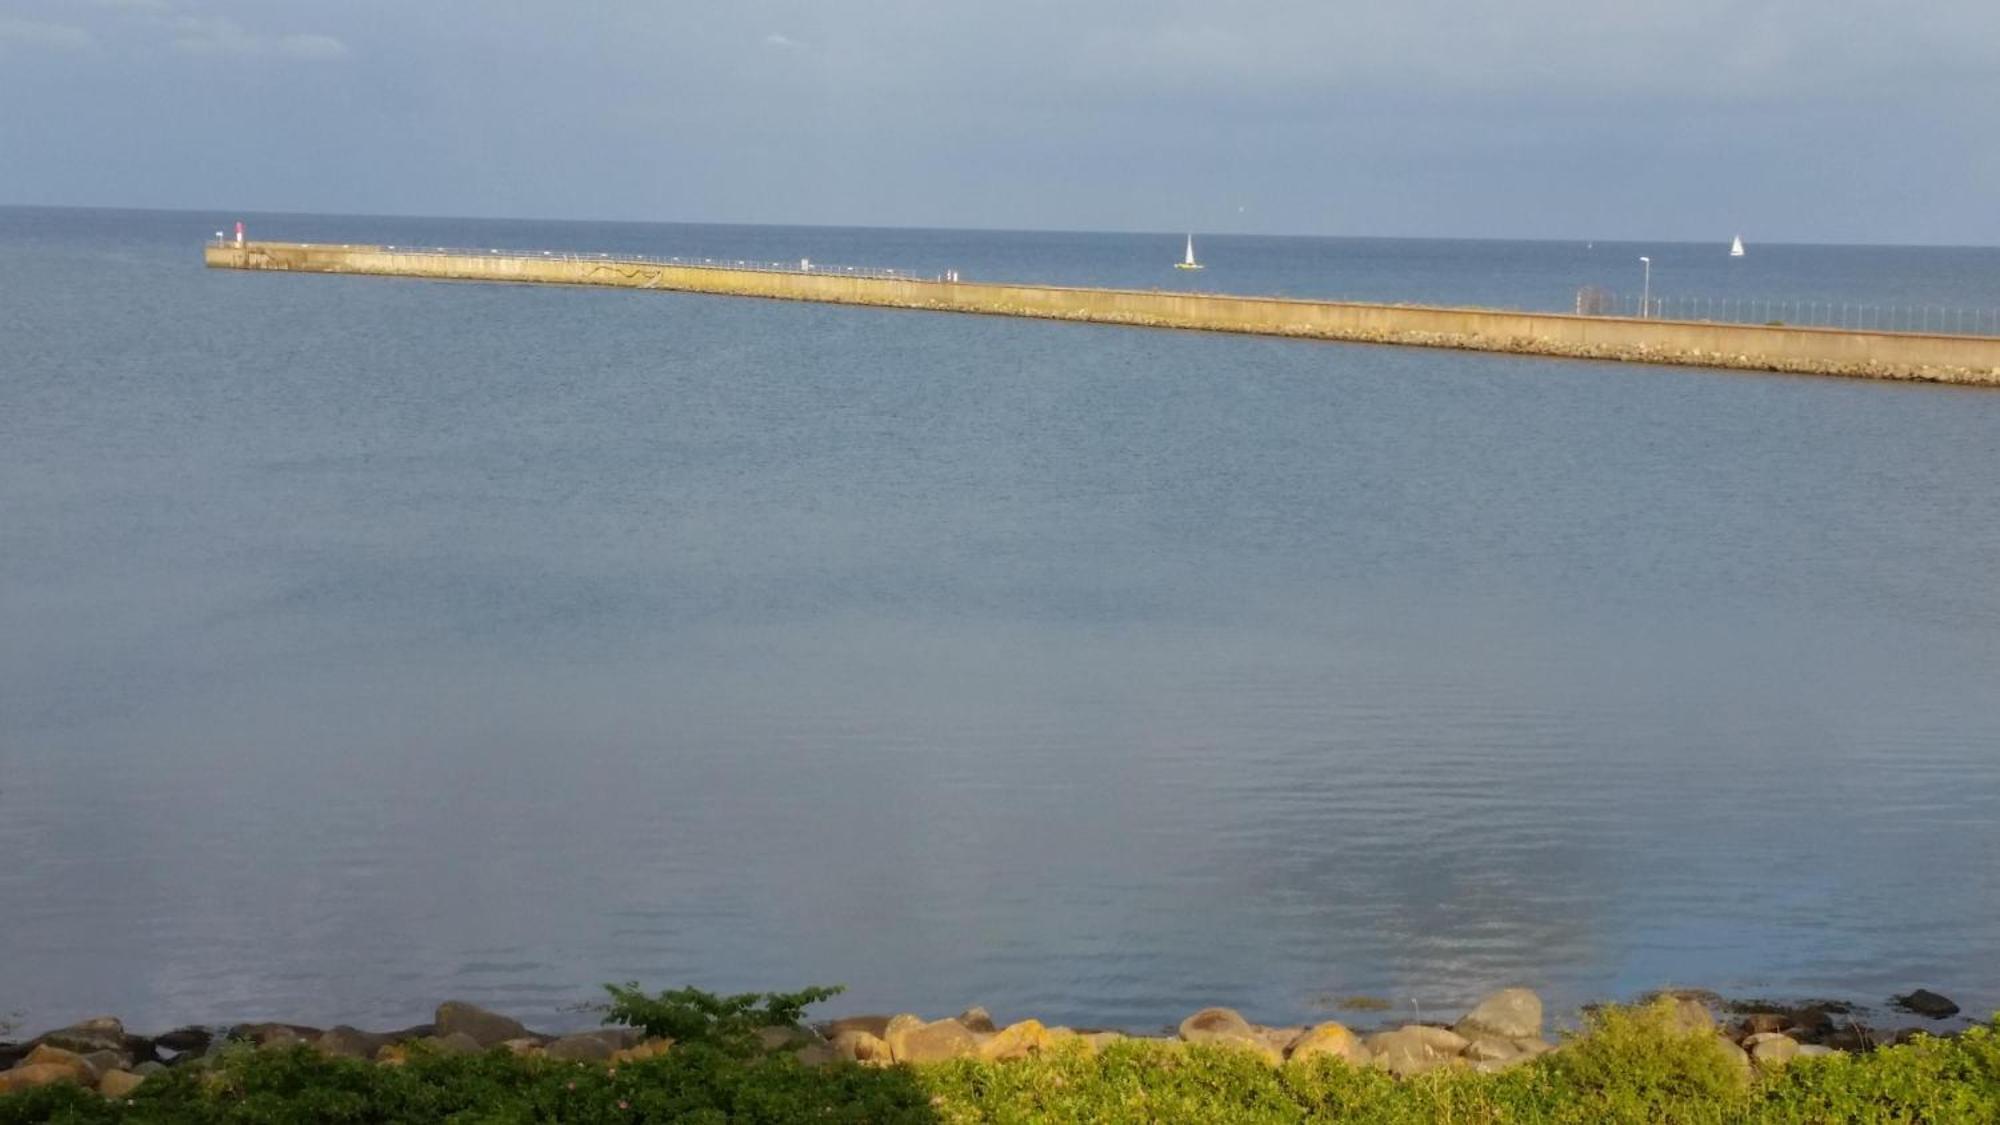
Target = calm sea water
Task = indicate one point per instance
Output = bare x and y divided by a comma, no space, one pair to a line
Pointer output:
365,643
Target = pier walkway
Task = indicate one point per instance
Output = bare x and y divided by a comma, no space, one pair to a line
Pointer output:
1932,357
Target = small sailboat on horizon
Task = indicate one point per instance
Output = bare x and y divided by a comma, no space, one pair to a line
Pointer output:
1188,262
1736,247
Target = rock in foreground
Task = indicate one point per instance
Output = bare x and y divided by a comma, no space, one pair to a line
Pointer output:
1928,1004
1511,1013
488,1029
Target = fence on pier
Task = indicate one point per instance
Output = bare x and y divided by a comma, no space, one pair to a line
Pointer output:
1862,316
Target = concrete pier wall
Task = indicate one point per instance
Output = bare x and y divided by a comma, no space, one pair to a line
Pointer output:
1973,360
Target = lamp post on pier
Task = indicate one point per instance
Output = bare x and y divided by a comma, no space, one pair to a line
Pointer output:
1646,291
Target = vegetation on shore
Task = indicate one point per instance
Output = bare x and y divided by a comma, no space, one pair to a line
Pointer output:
1628,1065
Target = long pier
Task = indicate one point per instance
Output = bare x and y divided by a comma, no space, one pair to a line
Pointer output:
1939,358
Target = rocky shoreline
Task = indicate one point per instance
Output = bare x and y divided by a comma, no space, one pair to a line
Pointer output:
1504,1030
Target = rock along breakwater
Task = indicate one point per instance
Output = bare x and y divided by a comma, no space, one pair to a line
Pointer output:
1937,358
1503,1030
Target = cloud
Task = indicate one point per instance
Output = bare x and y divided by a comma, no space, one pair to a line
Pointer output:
311,47
34,34
218,35
1706,48
782,42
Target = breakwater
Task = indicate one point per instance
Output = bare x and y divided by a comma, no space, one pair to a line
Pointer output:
1969,360
1505,1029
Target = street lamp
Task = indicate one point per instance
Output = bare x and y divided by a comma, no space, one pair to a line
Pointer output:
1646,293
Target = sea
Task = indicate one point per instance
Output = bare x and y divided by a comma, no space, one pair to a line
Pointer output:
366,643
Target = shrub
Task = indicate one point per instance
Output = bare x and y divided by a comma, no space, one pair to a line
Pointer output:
1628,1065
691,1016
1929,1080
1639,1065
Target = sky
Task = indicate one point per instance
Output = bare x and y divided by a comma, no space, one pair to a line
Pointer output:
1784,120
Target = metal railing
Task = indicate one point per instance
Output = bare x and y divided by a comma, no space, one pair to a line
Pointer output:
1861,316
801,266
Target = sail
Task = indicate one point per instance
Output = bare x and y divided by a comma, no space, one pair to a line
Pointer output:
1736,247
1188,262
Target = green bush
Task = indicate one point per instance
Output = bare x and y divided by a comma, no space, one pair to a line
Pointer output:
731,1023
1929,1080
1639,1065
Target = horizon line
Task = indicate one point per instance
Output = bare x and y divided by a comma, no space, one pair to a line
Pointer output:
973,229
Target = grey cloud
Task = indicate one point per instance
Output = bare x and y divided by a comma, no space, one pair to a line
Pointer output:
1703,48
219,35
311,46
36,34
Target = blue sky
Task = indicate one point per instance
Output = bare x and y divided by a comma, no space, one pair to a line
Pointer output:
1834,121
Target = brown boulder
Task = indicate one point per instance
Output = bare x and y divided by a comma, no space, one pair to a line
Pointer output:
976,1019
455,1043
184,1039
877,1026
1213,1023
581,1048
1691,1015
772,1040
119,1083
1224,1027
1414,1050
638,1052
274,1034
1738,1056
1760,1023
617,1038
28,1075
1017,1041
1279,1039
813,1054
486,1029
1488,1049
84,1069
1325,1040
1511,1013
1924,1002
104,1033
104,1062
931,1042
1771,1049
1098,1040
349,1043
857,1045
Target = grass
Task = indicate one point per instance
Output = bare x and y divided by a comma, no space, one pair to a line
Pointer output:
1631,1065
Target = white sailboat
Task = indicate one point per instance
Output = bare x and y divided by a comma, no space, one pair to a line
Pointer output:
1736,247
1188,263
